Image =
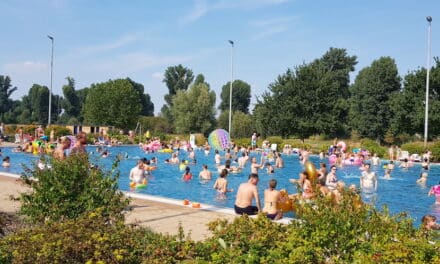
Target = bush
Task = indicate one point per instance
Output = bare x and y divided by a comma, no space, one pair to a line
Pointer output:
414,148
435,149
91,239
275,140
296,143
325,232
70,189
59,131
373,147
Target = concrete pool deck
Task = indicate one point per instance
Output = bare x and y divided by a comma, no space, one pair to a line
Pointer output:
160,214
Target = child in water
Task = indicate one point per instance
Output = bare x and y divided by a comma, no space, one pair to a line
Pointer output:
429,222
187,176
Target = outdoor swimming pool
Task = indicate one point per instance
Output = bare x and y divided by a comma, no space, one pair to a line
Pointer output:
400,193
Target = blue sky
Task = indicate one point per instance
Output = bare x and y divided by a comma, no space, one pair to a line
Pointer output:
100,40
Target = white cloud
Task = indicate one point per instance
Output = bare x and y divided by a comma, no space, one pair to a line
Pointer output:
25,67
105,47
272,26
201,7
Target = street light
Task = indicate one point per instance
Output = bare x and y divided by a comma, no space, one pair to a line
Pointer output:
428,66
230,87
51,78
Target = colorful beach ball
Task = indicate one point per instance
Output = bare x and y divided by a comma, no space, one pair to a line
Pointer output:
219,139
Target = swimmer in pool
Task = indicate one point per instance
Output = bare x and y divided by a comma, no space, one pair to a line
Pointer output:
205,174
435,190
368,180
387,174
221,184
423,178
429,222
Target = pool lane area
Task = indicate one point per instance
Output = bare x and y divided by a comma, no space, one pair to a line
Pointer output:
400,193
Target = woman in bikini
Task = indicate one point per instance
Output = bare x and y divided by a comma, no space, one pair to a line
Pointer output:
221,185
271,199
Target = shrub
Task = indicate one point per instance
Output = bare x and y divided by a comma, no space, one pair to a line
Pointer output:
373,147
59,131
435,149
275,140
414,147
91,239
70,189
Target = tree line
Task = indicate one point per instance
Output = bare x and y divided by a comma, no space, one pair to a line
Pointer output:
315,98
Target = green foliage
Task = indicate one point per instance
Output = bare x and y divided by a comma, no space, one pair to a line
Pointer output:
435,149
115,103
155,124
371,95
311,99
177,78
275,140
70,189
373,147
59,131
242,124
92,239
414,148
193,110
6,91
145,99
241,96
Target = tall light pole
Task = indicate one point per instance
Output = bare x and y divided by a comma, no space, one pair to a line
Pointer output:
428,66
230,87
51,78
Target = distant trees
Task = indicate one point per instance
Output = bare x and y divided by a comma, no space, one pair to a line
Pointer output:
194,110
371,112
311,99
176,78
241,96
6,90
115,103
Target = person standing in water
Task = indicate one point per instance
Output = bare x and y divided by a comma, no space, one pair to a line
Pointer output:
368,180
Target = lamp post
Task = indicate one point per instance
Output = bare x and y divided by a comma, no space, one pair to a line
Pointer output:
51,78
428,66
230,87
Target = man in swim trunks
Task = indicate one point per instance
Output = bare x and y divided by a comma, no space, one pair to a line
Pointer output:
245,194
368,180
137,174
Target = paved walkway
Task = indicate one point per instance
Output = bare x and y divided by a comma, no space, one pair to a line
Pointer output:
159,216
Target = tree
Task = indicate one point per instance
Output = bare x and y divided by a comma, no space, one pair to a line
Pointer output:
194,110
70,103
311,99
115,102
241,96
147,105
6,91
370,112
177,78
242,124
408,106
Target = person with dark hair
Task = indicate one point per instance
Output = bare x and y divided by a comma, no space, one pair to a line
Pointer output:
6,162
247,192
205,174
221,184
187,176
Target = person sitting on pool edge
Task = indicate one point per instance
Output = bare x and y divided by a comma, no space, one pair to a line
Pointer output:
246,193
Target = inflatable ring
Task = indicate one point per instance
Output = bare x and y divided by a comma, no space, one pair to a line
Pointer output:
311,170
141,186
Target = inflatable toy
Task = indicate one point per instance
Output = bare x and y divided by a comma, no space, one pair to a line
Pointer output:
186,202
311,170
165,150
342,145
285,203
141,186
195,205
219,139
132,185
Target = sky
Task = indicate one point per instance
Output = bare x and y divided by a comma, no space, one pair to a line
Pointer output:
95,41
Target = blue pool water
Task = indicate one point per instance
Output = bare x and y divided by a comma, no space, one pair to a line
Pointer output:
400,193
